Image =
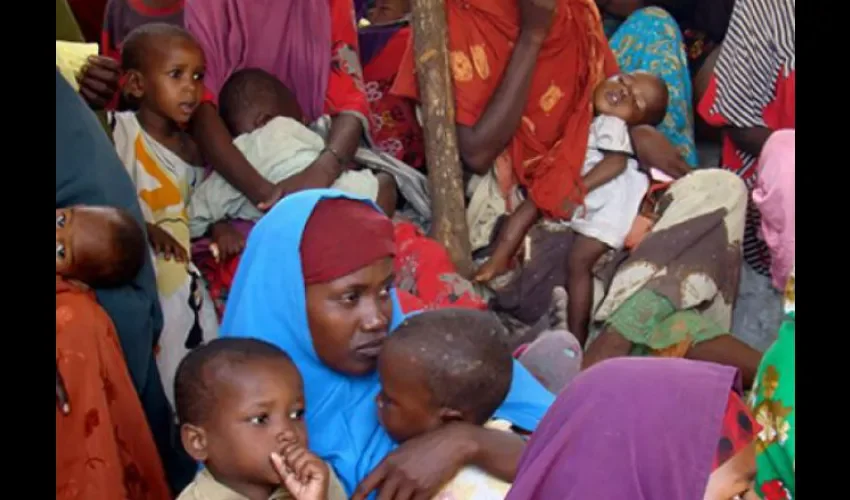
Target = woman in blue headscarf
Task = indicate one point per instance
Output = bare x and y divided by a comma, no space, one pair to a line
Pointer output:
316,279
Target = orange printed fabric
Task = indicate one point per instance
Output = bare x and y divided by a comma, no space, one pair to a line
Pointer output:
104,448
548,149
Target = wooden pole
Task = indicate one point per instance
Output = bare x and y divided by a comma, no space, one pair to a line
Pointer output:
436,94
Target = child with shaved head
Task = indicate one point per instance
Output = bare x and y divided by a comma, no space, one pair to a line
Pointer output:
240,403
445,366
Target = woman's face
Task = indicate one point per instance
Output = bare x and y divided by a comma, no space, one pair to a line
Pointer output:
734,480
350,317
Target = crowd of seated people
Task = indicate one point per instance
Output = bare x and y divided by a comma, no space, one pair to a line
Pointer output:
249,305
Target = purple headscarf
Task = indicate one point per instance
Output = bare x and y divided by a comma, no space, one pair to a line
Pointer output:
630,428
290,39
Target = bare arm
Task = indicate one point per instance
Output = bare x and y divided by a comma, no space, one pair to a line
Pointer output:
344,138
750,140
612,165
421,466
483,142
216,145
497,452
654,150
345,135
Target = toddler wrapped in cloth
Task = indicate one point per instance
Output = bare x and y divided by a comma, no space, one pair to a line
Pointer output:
266,120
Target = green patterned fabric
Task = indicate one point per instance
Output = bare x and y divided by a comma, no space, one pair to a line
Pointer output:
772,401
652,323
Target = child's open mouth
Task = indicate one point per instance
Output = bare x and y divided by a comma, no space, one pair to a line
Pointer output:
188,108
614,97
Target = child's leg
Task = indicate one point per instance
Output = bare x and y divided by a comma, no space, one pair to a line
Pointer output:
387,193
724,350
609,344
583,256
508,241
728,350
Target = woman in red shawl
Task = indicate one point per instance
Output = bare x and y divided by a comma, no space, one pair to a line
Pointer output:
395,128
524,73
104,447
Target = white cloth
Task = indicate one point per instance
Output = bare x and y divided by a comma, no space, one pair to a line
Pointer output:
282,148
163,183
611,208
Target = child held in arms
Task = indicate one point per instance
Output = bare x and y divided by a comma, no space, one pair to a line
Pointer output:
611,184
268,124
430,378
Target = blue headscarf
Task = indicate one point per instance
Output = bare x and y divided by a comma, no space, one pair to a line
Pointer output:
268,302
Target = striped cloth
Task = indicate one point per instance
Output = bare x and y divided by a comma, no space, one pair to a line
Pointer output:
758,48
757,56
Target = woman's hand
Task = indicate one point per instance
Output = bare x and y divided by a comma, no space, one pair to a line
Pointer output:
303,474
61,394
228,241
654,150
536,17
420,467
99,81
164,244
322,173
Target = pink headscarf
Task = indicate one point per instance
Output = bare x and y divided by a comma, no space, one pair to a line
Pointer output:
291,39
774,196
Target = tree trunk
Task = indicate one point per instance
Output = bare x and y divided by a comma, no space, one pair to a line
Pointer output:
438,109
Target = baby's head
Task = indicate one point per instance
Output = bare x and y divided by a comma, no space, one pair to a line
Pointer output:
252,97
639,98
238,400
165,70
99,246
442,366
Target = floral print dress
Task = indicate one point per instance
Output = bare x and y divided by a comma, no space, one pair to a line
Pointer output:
772,400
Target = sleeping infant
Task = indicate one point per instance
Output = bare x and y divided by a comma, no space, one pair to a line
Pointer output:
267,122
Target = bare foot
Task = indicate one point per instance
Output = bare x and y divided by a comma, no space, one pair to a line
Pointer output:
489,270
558,309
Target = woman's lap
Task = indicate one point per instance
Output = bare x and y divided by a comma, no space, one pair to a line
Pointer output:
650,40
689,262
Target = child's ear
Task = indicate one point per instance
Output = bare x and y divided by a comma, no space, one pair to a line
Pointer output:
194,440
451,415
135,85
261,120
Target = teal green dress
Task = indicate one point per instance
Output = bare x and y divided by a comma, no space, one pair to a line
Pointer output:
773,403
650,40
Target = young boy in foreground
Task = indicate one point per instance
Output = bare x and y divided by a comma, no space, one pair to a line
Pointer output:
240,403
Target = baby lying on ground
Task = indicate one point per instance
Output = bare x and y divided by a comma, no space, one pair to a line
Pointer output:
430,378
98,246
267,122
241,406
613,185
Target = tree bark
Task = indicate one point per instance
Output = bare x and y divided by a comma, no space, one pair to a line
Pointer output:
436,94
